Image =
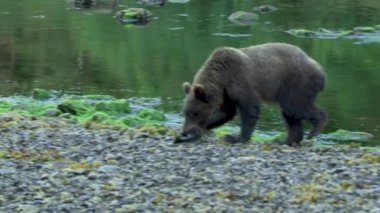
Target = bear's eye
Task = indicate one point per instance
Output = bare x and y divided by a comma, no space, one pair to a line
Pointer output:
195,114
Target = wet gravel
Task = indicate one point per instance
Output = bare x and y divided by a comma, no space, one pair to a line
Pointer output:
56,165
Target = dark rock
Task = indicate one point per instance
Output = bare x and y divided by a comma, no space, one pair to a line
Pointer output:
152,2
133,16
265,8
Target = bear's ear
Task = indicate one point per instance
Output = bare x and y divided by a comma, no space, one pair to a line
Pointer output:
187,87
200,93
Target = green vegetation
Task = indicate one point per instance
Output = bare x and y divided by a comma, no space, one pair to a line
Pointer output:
41,94
30,155
116,106
100,110
5,106
87,110
345,135
83,165
151,114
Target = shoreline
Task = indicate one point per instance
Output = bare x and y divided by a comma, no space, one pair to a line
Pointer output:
55,164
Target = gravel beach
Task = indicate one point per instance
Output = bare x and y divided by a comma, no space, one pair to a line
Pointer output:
57,165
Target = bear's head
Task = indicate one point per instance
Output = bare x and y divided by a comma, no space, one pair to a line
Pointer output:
198,109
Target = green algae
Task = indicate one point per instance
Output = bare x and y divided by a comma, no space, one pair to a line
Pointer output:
5,106
309,193
156,129
32,109
41,94
31,155
117,106
151,114
370,158
345,135
84,165
144,116
89,110
100,117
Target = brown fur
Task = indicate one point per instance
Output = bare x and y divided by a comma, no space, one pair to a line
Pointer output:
240,79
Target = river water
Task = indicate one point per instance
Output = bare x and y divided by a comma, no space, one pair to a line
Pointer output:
49,44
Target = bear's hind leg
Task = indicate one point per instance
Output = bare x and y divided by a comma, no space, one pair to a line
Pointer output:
294,127
318,118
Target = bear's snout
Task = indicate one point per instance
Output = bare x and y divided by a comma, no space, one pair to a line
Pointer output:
190,133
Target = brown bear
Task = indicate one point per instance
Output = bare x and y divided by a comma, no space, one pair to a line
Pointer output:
234,80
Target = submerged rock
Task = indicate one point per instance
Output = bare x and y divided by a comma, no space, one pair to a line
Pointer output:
133,16
41,94
179,1
265,8
74,107
365,34
347,33
243,18
80,4
100,117
364,29
301,32
153,2
52,113
97,4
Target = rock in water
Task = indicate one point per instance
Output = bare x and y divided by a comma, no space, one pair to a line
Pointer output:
265,8
243,18
133,16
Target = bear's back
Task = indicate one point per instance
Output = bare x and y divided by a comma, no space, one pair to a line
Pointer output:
274,64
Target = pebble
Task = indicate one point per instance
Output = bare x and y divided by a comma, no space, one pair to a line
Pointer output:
56,165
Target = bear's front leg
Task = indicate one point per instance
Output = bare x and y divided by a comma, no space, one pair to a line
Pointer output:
222,115
248,117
